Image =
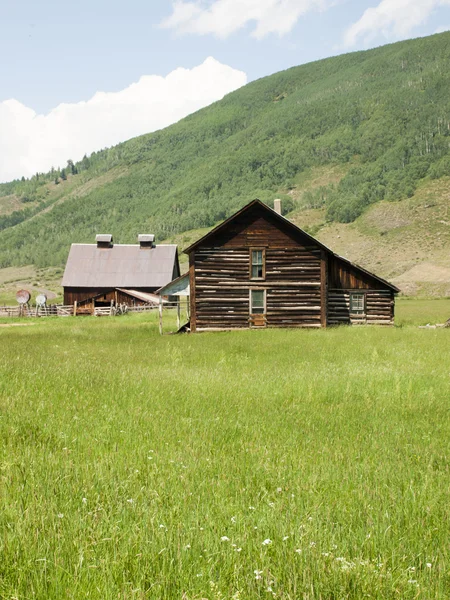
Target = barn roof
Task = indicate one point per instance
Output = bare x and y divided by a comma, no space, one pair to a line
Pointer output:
295,229
121,266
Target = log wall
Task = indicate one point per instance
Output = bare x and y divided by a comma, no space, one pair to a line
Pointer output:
379,307
221,270
305,284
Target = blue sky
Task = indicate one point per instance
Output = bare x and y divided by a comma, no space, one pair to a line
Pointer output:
62,52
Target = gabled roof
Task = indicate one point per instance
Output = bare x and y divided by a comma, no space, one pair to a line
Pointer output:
121,266
293,228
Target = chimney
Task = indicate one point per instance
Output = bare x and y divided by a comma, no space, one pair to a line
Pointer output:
104,240
146,240
277,206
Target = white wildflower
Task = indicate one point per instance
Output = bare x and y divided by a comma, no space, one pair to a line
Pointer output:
257,574
429,565
299,551
312,544
269,589
238,549
130,501
279,490
251,508
60,516
412,581
267,542
233,519
271,504
84,500
187,547
286,537
224,538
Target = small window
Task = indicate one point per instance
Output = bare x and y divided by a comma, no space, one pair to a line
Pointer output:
257,267
257,302
357,304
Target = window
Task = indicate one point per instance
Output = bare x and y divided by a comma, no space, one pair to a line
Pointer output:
257,302
257,264
357,304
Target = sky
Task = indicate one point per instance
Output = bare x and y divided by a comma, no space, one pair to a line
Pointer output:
78,77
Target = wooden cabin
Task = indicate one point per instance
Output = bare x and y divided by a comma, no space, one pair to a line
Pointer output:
257,269
104,273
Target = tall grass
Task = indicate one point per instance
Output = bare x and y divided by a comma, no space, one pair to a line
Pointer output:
255,464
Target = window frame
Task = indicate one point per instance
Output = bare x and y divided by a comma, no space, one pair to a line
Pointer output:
250,299
360,312
263,264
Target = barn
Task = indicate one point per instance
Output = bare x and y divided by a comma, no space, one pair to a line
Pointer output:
99,274
257,269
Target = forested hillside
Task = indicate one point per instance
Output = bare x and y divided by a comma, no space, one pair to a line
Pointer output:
377,121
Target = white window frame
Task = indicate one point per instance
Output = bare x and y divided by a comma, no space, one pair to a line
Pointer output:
250,299
359,310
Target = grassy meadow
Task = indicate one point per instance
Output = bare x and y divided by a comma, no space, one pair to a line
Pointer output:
255,464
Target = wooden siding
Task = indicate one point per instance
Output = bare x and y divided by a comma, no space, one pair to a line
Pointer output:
379,307
223,277
305,284
342,275
83,295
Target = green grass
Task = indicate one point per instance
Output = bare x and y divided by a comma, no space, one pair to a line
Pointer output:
140,466
421,311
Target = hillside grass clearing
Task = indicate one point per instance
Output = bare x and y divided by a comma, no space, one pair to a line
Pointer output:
253,464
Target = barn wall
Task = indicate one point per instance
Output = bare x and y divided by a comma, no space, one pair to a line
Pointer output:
220,296
379,307
83,294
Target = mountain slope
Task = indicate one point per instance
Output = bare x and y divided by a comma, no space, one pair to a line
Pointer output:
376,125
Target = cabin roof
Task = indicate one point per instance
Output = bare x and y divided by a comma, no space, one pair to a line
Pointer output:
121,266
293,228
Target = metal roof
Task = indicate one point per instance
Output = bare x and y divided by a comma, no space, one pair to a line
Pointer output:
144,296
178,287
124,266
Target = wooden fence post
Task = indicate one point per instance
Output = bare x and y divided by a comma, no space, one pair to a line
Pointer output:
160,315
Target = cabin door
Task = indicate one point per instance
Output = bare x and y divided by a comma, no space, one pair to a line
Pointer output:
257,309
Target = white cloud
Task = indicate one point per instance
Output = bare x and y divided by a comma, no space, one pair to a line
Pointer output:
442,29
224,17
393,19
30,142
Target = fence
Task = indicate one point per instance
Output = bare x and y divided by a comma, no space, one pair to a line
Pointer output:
67,310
